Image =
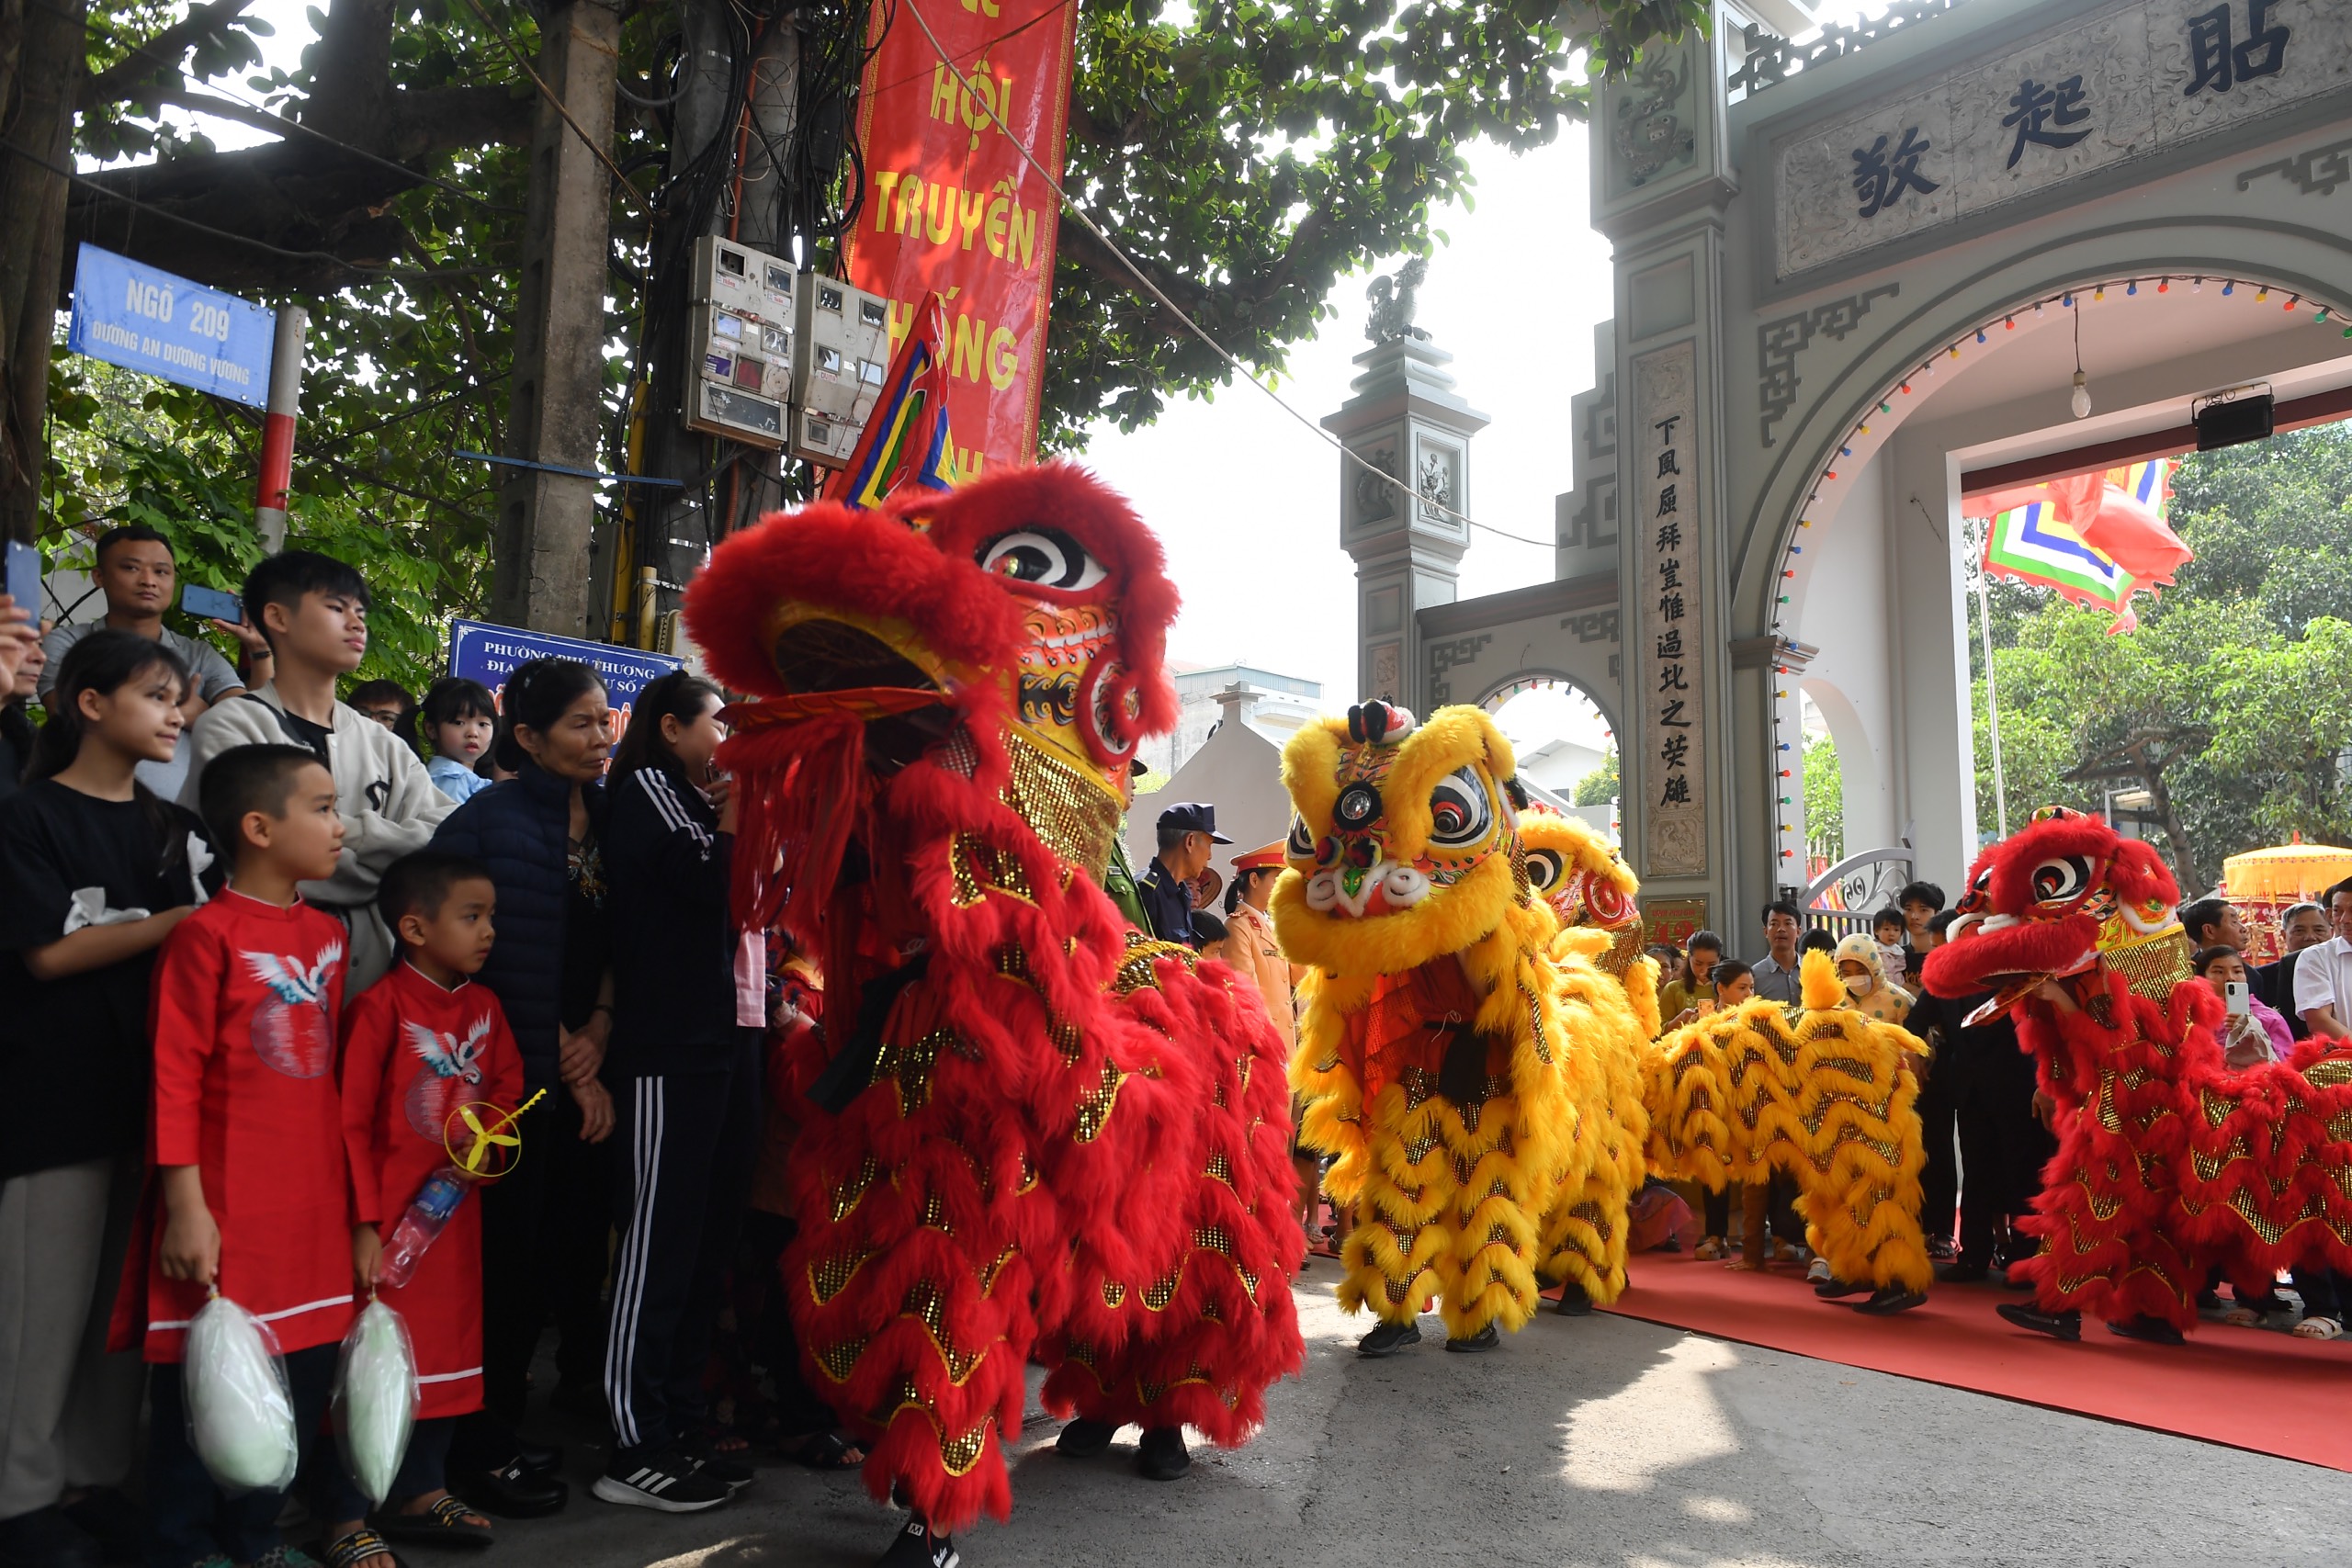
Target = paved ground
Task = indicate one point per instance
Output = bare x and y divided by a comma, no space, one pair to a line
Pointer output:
1598,1441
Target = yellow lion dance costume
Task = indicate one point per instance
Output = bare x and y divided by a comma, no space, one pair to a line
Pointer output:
1591,892
1456,1065
1821,1091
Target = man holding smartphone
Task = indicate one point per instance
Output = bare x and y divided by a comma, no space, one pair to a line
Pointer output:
135,571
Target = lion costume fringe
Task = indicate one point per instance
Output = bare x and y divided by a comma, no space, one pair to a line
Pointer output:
1024,1133
1820,1091
1457,1067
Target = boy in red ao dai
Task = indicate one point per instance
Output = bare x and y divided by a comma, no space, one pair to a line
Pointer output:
418,1044
248,1150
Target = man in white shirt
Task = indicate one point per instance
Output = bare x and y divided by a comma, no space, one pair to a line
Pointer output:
1776,975
2323,973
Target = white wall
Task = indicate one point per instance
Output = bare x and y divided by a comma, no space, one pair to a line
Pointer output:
1843,576
1238,772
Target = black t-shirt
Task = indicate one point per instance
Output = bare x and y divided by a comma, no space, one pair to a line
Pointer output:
302,732
73,1051
587,931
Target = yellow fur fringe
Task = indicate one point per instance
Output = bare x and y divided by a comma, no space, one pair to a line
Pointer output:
1820,1091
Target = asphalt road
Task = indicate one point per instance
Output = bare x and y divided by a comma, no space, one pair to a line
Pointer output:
1595,1441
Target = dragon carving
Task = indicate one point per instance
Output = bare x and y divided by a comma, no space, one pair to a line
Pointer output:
1026,1134
2169,1163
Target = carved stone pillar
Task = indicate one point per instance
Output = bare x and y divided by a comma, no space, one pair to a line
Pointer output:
1408,421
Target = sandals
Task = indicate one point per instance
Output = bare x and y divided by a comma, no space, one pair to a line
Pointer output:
362,1545
826,1450
446,1523
2317,1327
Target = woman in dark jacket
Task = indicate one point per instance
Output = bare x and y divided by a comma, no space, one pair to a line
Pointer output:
690,1000
546,1226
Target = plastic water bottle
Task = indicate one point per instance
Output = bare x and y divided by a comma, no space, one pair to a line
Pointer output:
427,1213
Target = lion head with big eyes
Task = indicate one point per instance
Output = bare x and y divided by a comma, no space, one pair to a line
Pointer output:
1033,597
2046,900
1405,843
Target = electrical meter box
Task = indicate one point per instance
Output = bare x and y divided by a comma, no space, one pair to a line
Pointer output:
842,353
748,282
739,333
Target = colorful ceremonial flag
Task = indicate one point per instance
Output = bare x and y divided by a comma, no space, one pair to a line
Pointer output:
906,439
2096,538
2127,525
2030,545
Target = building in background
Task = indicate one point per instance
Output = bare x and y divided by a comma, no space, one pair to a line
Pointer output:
1274,705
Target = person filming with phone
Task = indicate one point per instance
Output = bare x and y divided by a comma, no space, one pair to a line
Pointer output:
135,571
2256,1033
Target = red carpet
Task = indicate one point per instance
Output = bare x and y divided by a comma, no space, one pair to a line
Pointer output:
2246,1387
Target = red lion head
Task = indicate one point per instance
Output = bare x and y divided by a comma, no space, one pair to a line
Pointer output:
1030,608
2045,901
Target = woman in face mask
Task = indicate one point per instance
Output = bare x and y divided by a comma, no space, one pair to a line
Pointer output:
1867,990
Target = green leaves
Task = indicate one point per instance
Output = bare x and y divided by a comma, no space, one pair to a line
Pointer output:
2249,655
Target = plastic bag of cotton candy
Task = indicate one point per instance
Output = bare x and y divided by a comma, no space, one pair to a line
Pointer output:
375,1399
240,1411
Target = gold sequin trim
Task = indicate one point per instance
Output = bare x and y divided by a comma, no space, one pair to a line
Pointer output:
2329,1072
1159,1293
838,1361
850,1193
1076,817
1220,1169
830,1277
924,1301
1094,1111
1113,1292
909,1067
1136,970
989,1274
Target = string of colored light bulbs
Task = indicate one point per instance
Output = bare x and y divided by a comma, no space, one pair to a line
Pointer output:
2065,300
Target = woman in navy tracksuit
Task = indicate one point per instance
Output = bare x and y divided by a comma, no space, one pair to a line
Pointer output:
546,1226
690,996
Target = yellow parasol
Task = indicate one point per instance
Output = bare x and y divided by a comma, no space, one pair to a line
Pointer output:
2285,871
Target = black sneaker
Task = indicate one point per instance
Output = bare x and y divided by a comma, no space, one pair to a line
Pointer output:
1084,1438
1485,1338
1389,1338
731,1473
1162,1455
916,1547
1889,1300
1575,1300
669,1484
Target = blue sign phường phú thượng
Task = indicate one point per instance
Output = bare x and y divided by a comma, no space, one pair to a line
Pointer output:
144,318
487,653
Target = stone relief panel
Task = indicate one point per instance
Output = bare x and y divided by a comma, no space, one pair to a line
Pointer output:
2067,108
1449,656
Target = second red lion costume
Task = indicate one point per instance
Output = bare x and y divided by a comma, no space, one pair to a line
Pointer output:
1025,1134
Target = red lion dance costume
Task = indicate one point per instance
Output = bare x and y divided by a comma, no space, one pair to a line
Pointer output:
2168,1162
1028,1133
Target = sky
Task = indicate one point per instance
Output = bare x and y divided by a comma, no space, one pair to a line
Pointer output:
1245,501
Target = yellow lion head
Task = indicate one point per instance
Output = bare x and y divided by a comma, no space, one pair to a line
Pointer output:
1406,842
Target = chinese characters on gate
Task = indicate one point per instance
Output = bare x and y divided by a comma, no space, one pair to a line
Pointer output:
2059,114
1667,761
1673,656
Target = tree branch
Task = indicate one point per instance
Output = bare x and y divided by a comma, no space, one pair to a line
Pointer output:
158,55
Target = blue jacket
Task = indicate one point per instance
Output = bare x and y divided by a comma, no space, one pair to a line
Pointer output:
520,829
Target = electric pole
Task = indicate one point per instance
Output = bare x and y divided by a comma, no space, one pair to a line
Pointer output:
545,538
734,125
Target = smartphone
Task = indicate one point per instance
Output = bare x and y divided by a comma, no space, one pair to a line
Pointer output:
24,577
211,604
2235,998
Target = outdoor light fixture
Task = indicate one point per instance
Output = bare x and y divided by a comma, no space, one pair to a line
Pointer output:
2081,402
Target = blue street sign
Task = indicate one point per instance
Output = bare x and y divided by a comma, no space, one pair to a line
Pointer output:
144,318
487,653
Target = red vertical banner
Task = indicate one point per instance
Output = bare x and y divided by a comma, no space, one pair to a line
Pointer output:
952,206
